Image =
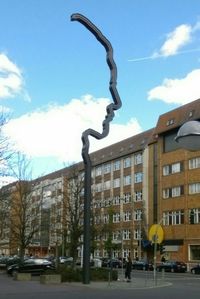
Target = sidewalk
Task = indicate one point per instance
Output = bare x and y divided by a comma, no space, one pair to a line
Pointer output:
145,282
136,283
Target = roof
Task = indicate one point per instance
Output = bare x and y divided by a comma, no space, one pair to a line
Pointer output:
175,118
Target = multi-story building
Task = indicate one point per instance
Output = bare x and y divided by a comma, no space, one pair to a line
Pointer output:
176,193
140,181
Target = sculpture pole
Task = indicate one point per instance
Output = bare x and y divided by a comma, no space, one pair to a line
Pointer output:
90,132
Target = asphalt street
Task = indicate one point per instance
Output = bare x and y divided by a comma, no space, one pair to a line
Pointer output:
142,287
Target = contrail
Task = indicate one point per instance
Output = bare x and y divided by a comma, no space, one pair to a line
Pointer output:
157,55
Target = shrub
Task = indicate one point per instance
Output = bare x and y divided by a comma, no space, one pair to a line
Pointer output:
96,274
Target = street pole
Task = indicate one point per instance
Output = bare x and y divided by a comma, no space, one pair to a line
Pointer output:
90,132
155,259
140,241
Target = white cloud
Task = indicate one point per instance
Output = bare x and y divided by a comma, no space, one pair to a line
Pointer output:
178,91
7,66
57,131
11,80
175,40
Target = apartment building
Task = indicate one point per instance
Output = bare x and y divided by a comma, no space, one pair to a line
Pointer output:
120,180
140,181
176,196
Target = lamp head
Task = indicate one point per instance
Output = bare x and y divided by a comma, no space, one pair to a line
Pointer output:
188,136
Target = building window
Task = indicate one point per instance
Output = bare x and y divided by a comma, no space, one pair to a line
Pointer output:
138,158
106,218
194,216
98,187
116,183
127,216
127,197
116,165
98,170
107,185
170,122
107,202
116,236
166,170
107,168
194,163
137,234
195,253
166,193
116,217
172,168
126,234
105,237
138,215
97,219
127,162
138,177
138,195
116,200
176,167
173,192
173,217
176,191
194,188
127,180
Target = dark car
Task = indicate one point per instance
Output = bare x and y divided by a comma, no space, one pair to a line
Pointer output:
195,269
172,266
33,266
142,265
114,263
3,261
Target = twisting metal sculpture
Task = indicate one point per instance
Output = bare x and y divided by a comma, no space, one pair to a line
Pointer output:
90,132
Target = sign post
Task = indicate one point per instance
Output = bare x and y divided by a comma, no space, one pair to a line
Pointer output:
156,236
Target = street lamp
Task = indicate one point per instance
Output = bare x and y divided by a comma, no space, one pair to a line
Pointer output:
90,132
188,136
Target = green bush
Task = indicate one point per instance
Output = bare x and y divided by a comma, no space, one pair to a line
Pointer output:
96,274
103,274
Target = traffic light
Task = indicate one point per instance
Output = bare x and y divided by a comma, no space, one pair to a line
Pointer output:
162,249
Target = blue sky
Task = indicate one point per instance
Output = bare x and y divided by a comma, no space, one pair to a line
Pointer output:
54,77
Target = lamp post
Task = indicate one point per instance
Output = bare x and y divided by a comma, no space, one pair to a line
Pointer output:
90,132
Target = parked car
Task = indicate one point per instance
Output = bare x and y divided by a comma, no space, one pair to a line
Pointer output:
172,266
33,266
115,263
142,265
13,260
195,269
66,260
3,261
96,262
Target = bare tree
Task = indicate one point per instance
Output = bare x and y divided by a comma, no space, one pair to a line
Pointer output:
5,146
24,222
4,218
73,209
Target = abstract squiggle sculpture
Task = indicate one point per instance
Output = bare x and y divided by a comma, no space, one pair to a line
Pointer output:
90,132
112,86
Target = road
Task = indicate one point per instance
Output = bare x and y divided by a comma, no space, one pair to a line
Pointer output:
181,286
